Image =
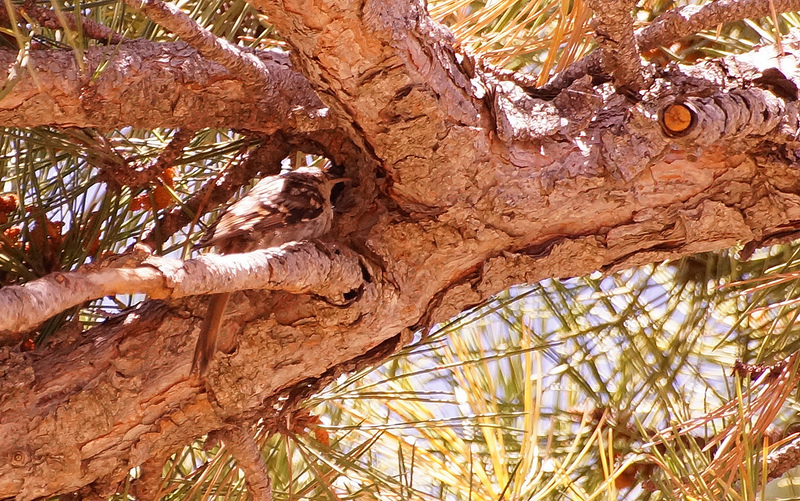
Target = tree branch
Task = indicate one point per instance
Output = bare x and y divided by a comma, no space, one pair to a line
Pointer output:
121,174
298,268
673,25
620,55
239,62
149,85
49,19
244,449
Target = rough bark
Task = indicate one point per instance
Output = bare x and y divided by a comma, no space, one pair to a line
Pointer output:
614,33
148,85
466,185
297,267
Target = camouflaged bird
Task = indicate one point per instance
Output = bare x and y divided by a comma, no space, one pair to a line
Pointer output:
289,207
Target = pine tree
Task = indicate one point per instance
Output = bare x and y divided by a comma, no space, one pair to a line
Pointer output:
561,267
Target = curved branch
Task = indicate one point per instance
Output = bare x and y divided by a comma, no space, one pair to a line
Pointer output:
298,267
239,441
50,19
677,23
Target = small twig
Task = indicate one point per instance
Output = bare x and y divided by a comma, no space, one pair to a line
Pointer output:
620,55
135,177
243,448
98,149
757,370
91,28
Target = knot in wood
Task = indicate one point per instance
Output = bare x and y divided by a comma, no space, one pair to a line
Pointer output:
19,458
678,119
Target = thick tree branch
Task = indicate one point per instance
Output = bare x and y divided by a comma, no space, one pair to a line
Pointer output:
247,66
298,268
393,71
171,405
150,85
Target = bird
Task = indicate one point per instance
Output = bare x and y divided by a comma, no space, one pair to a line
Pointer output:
291,206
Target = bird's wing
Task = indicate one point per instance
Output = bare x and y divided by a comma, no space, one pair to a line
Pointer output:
274,203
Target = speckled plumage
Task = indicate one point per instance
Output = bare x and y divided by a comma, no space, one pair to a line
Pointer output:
279,209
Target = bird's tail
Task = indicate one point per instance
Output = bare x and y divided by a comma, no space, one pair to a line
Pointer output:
209,332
